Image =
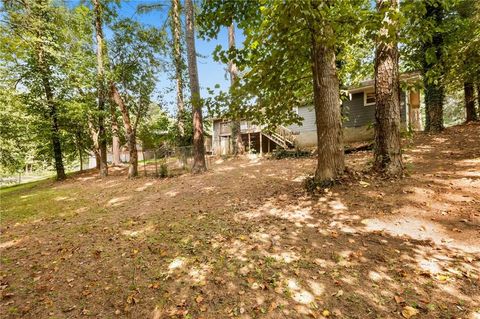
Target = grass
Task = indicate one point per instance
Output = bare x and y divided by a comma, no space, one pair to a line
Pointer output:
31,200
21,187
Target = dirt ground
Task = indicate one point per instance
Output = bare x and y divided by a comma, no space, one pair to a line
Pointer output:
245,240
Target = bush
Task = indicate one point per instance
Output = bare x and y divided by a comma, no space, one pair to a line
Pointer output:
283,153
163,172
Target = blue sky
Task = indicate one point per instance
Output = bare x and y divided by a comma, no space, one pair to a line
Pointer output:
210,72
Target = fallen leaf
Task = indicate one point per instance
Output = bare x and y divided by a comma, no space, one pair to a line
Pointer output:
325,313
399,299
409,312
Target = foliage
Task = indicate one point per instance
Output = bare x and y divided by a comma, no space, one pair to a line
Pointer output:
274,63
37,44
135,64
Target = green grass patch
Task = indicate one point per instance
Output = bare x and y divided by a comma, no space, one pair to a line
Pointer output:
22,187
38,199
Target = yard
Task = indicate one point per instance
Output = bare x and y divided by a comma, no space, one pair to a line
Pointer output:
245,240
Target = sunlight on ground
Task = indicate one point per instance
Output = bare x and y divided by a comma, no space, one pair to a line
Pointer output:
299,294
117,201
12,243
199,274
172,193
417,229
136,233
63,198
177,263
144,187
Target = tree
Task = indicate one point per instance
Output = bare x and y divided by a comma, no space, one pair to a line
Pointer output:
238,147
101,90
179,64
135,64
199,164
433,68
469,93
288,60
387,152
32,25
330,159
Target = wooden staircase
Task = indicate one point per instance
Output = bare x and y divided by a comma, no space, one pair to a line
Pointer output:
282,136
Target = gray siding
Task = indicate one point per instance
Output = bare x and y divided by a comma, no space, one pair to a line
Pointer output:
355,114
308,123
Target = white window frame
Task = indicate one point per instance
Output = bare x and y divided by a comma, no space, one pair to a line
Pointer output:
365,98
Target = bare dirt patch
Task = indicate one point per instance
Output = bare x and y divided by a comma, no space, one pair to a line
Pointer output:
245,240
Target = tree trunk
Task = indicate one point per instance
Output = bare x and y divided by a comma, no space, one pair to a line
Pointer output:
178,61
330,159
387,151
78,143
469,91
115,139
199,164
53,114
96,148
478,99
129,130
238,147
102,139
434,90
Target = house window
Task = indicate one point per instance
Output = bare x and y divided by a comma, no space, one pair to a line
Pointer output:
369,98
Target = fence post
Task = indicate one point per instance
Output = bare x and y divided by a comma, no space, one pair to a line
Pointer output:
144,163
155,158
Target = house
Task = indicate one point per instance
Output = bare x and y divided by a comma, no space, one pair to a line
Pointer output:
358,112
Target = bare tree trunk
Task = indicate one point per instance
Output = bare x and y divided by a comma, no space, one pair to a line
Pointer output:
78,143
478,98
96,148
469,91
115,139
387,152
102,139
434,92
199,164
53,114
129,130
178,61
238,147
330,159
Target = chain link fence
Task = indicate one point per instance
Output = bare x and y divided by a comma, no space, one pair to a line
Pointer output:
168,161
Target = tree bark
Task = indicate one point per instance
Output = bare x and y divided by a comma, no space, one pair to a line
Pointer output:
238,147
199,164
115,139
129,130
387,151
57,147
178,61
434,90
478,99
53,114
469,91
78,143
330,158
102,139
